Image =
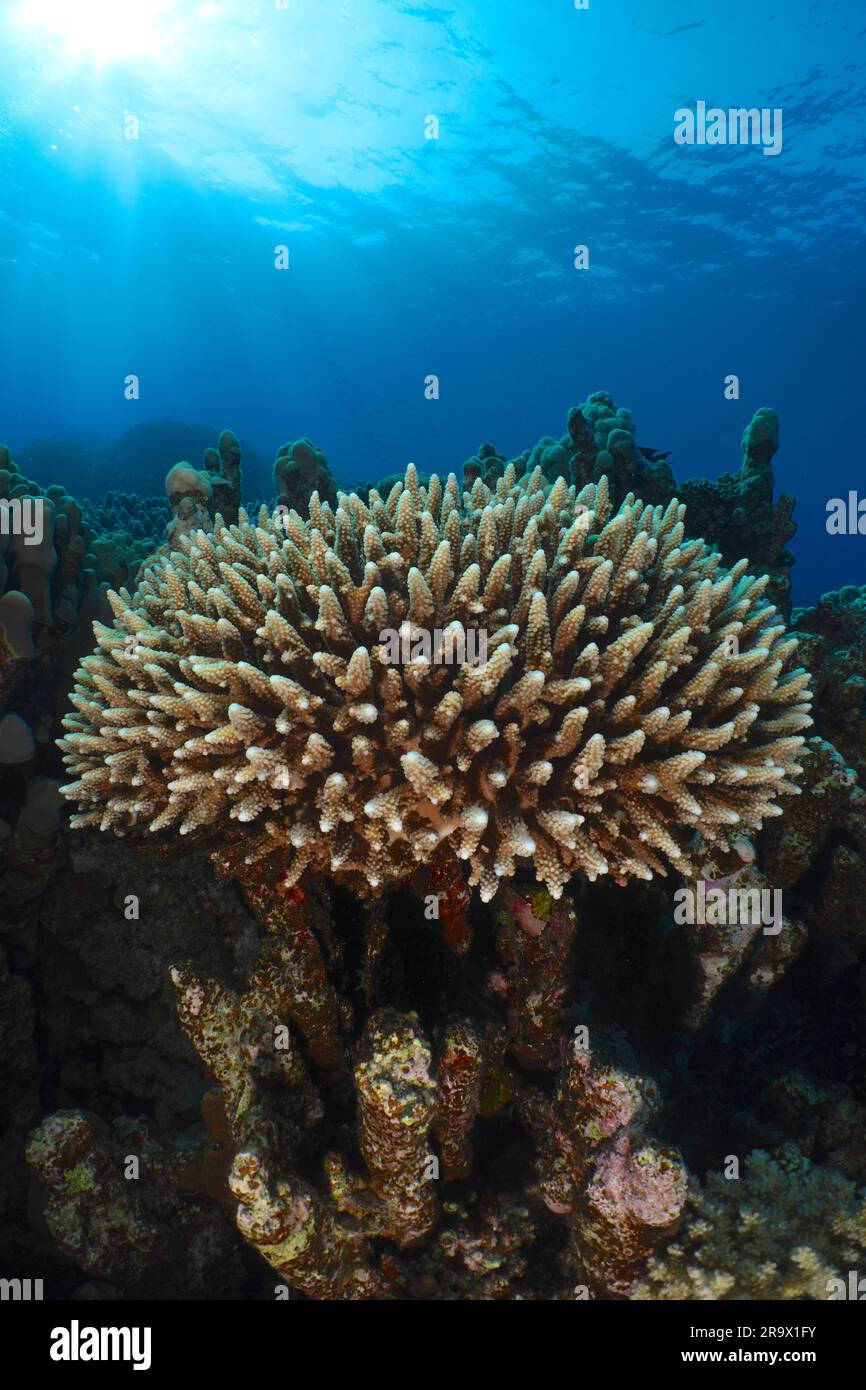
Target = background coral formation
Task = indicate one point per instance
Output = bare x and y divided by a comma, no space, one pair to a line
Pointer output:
737,513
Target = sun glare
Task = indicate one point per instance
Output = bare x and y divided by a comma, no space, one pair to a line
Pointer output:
100,31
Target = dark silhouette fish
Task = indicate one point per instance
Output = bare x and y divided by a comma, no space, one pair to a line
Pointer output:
653,455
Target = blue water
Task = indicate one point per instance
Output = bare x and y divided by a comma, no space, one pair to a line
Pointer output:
305,127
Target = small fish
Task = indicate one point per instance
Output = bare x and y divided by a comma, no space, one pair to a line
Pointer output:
653,455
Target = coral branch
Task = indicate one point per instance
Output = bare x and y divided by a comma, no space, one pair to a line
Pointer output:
294,1229
534,941
458,1100
294,974
620,1192
396,1102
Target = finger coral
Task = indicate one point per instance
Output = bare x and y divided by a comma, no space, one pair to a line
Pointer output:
626,689
619,1190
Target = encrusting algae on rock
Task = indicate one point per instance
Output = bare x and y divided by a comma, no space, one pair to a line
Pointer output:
632,689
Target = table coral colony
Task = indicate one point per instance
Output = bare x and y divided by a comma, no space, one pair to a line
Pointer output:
634,692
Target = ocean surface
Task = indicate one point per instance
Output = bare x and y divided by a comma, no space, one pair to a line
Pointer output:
429,170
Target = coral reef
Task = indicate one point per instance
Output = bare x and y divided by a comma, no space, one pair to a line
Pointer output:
51,590
620,1191
19,1087
223,464
141,457
125,530
300,470
249,683
821,854
140,518
52,568
112,1197
412,1103
534,941
784,1230
832,638
190,494
736,513
396,1092
332,1069
198,496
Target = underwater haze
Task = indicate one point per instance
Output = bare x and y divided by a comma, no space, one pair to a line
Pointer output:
430,171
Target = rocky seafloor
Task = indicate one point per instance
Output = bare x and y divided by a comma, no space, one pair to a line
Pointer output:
479,1061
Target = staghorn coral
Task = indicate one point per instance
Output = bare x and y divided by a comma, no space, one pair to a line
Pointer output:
631,689
786,1230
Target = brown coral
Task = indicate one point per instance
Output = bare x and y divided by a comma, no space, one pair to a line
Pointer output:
631,689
